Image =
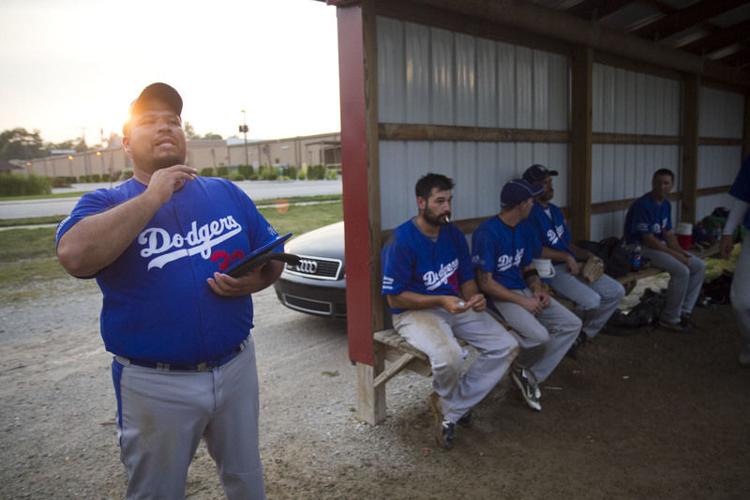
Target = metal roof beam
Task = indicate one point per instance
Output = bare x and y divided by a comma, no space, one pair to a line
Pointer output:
688,17
720,39
739,59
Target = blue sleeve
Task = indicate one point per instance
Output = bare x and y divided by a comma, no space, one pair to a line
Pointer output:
91,203
398,262
566,234
465,269
741,187
668,227
533,246
536,223
566,228
640,223
483,251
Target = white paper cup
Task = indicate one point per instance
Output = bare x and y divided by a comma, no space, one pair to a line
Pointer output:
544,268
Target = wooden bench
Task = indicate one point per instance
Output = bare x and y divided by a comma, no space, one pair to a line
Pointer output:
401,355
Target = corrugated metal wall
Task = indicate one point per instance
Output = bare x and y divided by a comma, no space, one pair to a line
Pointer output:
627,102
721,115
432,76
479,170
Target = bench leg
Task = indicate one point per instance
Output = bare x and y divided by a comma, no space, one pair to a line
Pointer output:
371,399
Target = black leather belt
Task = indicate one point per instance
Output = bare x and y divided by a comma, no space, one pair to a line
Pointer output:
200,367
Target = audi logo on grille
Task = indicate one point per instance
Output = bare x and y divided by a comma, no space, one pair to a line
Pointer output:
307,266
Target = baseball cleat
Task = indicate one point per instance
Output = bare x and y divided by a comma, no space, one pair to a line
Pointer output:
444,429
529,390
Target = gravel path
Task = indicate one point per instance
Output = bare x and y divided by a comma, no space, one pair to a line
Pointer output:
653,415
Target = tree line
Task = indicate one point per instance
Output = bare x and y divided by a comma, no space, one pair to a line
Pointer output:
21,144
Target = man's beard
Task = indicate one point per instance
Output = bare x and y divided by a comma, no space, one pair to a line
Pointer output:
436,220
168,161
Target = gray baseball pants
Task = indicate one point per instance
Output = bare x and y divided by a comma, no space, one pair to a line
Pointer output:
544,338
685,283
162,416
740,296
434,332
595,302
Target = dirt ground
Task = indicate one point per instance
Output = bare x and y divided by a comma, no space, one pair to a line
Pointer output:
653,415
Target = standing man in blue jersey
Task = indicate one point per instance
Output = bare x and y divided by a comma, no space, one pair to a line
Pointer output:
596,301
649,222
740,295
503,249
179,329
429,284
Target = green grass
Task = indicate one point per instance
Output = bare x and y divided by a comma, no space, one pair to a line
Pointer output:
27,256
16,244
299,220
74,194
32,221
299,199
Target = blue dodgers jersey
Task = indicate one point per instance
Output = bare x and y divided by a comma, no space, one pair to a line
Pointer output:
551,229
413,262
741,188
157,305
646,216
505,251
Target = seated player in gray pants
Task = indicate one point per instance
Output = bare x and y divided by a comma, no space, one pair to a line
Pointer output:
740,294
503,248
596,301
428,281
649,222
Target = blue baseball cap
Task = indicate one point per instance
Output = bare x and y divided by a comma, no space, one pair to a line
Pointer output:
156,92
517,191
537,173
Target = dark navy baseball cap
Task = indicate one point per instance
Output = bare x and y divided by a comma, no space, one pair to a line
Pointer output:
517,191
156,92
537,173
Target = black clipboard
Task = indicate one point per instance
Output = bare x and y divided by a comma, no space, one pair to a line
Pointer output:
260,256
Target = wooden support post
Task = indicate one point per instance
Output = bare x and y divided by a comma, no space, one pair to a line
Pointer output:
690,133
361,199
579,173
371,403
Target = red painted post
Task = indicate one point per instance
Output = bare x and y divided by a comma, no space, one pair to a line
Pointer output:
354,161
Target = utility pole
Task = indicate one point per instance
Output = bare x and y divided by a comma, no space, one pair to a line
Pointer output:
243,129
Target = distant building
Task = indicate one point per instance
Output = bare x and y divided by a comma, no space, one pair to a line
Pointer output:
301,151
7,167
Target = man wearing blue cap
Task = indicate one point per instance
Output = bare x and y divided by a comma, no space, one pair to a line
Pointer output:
596,301
178,327
503,249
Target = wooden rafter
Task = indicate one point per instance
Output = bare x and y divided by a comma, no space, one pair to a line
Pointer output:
687,18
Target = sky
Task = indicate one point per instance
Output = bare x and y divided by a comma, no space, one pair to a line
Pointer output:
68,65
